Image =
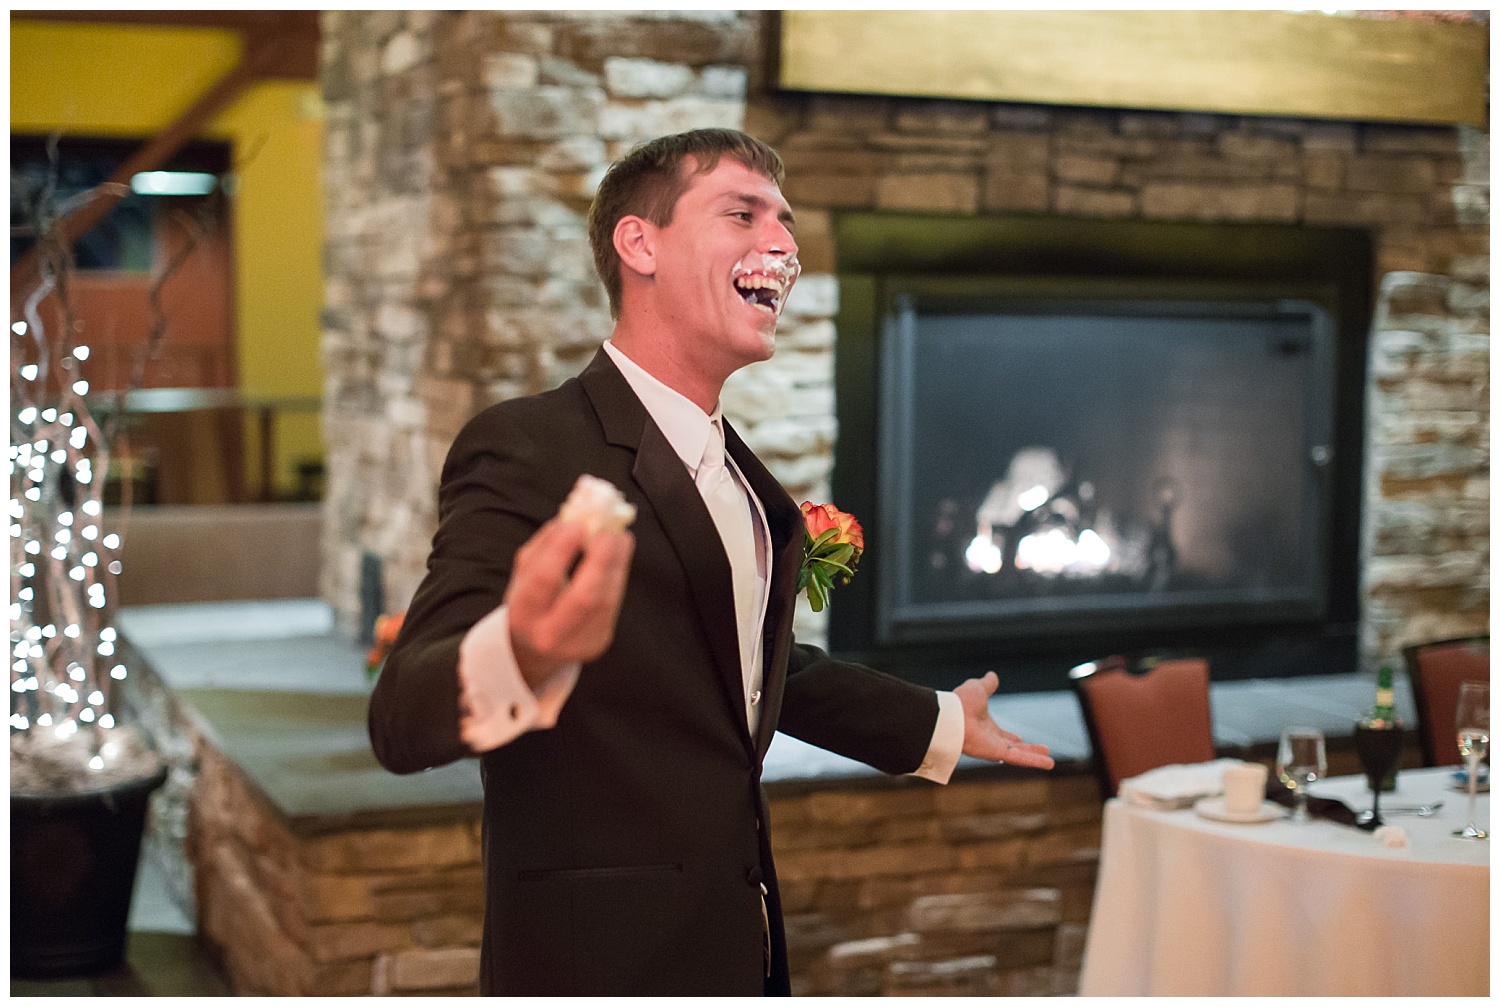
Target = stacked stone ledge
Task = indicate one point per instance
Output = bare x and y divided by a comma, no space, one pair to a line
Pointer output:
902,888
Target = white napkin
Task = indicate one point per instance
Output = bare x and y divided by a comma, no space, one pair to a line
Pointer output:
1178,786
1393,836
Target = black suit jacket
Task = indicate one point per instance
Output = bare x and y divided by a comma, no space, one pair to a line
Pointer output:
625,848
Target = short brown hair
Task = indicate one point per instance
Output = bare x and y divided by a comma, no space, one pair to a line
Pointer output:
648,181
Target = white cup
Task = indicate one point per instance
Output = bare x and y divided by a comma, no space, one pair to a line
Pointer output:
1244,788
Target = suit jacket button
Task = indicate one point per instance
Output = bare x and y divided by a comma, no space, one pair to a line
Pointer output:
753,876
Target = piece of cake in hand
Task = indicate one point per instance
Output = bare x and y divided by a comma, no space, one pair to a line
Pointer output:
597,505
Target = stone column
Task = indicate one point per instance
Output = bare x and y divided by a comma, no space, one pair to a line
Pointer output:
462,152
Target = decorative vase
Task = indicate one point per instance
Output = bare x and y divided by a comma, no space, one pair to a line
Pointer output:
73,861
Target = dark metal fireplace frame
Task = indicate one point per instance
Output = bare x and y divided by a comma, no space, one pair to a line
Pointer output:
880,256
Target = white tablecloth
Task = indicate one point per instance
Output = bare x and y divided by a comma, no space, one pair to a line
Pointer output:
1191,907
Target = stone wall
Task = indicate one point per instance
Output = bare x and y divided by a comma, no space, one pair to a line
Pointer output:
462,150
891,886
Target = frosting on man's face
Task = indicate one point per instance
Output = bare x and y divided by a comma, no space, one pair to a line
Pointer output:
764,279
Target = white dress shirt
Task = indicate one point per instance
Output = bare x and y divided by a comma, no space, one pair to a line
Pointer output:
498,706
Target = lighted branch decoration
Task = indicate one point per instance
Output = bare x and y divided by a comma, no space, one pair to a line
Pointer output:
65,651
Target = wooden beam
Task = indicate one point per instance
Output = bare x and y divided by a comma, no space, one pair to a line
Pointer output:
299,30
1241,62
153,154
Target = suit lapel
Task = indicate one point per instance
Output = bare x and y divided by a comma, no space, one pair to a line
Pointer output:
787,530
684,519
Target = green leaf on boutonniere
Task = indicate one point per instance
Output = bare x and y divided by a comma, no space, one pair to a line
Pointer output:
840,555
822,564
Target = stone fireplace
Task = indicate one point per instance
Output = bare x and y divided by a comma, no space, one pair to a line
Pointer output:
462,150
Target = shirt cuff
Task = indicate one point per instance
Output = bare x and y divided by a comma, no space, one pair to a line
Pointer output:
496,706
947,741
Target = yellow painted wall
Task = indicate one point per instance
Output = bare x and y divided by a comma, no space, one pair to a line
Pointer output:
124,81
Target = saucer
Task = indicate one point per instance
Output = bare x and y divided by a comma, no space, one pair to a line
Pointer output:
1213,808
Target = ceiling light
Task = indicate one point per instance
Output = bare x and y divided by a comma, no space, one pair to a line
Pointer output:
173,183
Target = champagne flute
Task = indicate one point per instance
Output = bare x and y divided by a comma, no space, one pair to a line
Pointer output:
1473,723
1301,758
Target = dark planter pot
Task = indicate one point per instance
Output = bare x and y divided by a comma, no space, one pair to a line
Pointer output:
72,870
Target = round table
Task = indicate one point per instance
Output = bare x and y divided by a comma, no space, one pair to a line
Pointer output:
1191,907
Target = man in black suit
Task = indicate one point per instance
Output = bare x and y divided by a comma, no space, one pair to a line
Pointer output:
622,687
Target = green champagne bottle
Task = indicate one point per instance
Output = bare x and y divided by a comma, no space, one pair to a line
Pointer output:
1384,716
1385,698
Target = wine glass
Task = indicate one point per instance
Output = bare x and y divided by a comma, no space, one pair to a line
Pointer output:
1301,758
1473,723
1379,749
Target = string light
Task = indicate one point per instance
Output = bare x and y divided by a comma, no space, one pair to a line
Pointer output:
57,465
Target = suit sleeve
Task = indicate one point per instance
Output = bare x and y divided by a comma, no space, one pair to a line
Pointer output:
493,496
857,712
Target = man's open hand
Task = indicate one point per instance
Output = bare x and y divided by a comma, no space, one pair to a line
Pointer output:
556,620
983,738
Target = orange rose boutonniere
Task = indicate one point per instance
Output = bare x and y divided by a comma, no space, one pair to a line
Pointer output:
386,628
830,550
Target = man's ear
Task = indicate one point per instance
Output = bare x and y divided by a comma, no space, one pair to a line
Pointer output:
635,244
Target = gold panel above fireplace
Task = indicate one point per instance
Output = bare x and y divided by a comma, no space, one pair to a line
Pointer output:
1275,63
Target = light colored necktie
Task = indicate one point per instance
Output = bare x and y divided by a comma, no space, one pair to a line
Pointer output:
730,508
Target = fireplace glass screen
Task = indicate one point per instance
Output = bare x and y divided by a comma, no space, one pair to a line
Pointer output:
1101,464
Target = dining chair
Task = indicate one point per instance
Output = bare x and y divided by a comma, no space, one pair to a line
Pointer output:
1437,669
1138,718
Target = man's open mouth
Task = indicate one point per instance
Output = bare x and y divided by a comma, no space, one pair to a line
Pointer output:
763,280
761,290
